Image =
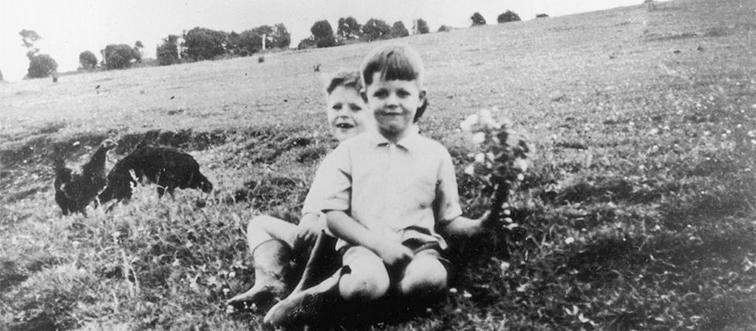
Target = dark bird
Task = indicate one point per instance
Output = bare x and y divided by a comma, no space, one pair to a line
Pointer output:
164,166
75,190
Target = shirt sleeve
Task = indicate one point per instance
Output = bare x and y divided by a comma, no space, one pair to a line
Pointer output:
314,199
446,204
334,181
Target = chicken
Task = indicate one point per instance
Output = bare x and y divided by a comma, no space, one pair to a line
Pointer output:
75,190
167,167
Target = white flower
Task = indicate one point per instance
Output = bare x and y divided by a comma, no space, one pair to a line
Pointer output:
490,156
486,120
521,164
479,138
480,158
470,170
469,123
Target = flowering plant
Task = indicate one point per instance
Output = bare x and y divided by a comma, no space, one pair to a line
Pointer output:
500,162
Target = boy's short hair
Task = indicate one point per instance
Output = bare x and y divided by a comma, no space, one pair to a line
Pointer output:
347,79
395,62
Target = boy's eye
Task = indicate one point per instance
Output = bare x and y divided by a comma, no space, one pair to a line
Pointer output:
336,106
403,93
355,107
380,94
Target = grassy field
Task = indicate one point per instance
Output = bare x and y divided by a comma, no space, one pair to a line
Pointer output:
639,211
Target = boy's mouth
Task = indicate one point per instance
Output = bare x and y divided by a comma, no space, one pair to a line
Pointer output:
344,125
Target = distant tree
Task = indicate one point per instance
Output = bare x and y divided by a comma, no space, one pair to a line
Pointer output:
444,28
280,37
250,42
375,29
348,28
508,16
28,38
87,60
542,16
322,32
119,56
421,26
477,19
232,45
203,44
167,52
398,30
138,52
1,76
307,43
41,65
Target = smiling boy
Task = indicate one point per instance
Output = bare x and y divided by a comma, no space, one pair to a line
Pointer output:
387,191
272,241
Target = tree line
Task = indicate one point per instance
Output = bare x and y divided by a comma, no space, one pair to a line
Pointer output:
200,43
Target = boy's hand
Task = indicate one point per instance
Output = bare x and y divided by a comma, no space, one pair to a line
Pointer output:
394,254
307,232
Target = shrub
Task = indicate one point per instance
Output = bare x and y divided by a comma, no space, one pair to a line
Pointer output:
348,28
444,28
421,26
322,33
41,65
307,43
542,15
87,60
119,56
203,44
167,53
376,29
477,19
508,16
398,30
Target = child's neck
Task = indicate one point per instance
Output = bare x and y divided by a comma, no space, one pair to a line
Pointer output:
394,137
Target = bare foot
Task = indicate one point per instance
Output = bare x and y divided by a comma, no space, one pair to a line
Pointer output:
257,295
302,306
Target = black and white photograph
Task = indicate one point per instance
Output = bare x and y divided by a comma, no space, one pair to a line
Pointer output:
378,165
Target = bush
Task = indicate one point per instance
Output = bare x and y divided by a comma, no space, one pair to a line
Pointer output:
421,26
249,42
444,28
167,53
348,28
307,43
41,65
322,33
508,16
376,29
398,30
280,36
119,56
203,44
541,15
87,60
477,19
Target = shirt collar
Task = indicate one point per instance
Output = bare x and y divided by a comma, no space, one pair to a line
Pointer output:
409,142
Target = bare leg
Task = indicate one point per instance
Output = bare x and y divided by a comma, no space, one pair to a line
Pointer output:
269,241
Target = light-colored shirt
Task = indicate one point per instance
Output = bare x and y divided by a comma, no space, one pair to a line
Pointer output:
400,190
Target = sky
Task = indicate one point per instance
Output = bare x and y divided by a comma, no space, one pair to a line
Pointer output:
69,27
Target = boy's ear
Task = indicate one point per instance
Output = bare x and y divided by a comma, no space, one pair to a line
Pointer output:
421,95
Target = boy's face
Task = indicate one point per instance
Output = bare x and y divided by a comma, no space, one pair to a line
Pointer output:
346,113
393,104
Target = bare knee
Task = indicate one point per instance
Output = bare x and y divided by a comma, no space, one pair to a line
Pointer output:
362,287
368,279
424,276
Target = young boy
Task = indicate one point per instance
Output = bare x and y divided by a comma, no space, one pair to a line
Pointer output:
388,190
272,240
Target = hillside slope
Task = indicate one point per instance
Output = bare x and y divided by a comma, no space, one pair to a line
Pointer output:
638,211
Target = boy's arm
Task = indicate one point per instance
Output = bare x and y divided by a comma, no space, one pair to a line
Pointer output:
348,229
467,227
